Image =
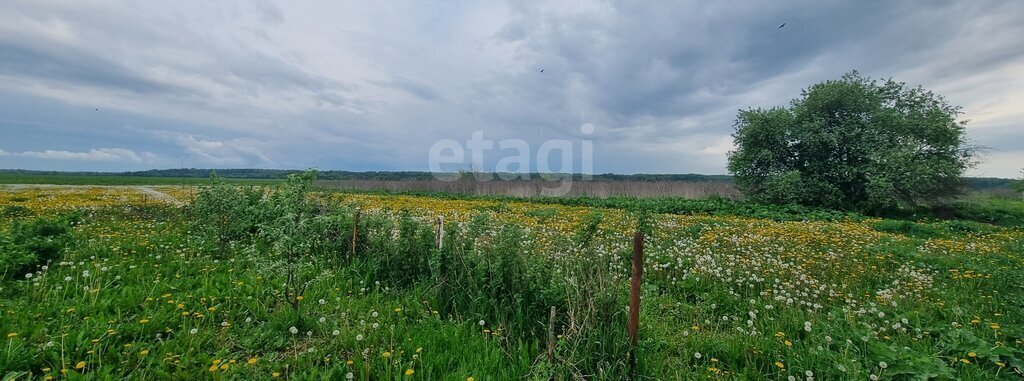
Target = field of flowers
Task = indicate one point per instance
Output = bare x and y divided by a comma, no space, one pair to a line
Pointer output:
243,284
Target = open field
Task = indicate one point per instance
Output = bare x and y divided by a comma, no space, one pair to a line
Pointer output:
533,188
137,287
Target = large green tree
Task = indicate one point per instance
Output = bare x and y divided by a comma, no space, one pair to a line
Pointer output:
854,144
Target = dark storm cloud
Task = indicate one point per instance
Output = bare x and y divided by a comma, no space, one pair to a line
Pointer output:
63,65
373,85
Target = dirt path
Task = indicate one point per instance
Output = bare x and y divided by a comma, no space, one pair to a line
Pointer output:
147,190
161,196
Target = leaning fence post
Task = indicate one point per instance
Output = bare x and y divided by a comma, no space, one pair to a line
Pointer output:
439,236
551,337
355,232
634,295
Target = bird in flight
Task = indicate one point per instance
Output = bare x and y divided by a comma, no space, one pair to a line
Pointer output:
783,24
541,70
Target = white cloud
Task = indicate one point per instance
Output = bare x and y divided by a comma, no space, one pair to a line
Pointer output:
99,154
234,152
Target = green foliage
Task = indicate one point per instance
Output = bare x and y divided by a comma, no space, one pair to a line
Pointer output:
991,210
224,213
14,211
706,311
30,244
852,144
14,258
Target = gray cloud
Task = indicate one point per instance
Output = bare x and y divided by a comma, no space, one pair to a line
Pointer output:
367,86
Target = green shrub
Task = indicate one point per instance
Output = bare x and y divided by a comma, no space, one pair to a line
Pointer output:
34,243
14,211
223,214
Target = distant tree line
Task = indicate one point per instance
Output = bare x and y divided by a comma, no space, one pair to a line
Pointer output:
253,173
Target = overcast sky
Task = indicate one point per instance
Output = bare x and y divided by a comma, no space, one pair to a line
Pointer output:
368,85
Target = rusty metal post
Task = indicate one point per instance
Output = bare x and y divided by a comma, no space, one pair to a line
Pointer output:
634,295
551,337
355,232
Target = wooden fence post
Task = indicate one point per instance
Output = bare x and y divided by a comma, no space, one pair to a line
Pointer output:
634,296
439,236
355,232
551,337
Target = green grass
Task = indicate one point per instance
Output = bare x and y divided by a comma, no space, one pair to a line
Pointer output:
991,209
147,292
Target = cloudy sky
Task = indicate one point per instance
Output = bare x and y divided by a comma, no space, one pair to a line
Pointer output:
368,85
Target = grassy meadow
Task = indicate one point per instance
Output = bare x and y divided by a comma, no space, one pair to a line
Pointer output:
251,283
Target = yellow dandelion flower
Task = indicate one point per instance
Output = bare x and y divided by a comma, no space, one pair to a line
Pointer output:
252,361
143,321
144,352
409,372
780,365
385,354
80,365
275,374
12,334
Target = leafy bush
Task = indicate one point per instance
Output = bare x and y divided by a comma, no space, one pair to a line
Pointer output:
224,213
33,243
14,259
